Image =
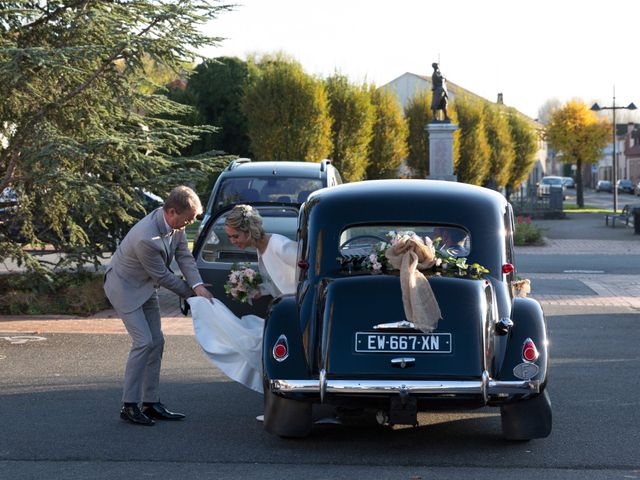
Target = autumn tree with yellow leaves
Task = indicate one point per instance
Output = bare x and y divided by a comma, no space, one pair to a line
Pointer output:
580,135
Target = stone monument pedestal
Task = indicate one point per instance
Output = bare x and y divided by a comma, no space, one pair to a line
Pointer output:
441,150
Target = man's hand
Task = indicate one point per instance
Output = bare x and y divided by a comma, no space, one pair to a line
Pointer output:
202,291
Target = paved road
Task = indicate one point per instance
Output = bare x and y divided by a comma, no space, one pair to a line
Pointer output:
59,396
603,199
60,399
580,264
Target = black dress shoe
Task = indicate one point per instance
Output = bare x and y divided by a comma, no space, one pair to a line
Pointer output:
160,412
133,415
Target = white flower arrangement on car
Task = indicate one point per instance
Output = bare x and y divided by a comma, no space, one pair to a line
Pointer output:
377,262
243,284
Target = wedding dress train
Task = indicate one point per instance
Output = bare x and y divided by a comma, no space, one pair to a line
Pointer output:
233,344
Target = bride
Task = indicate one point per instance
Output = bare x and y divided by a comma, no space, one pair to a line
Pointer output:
235,344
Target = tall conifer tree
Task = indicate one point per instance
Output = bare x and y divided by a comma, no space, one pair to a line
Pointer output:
389,142
352,126
79,134
473,161
502,153
287,112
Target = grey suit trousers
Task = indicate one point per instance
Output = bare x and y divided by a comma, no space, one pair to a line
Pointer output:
142,373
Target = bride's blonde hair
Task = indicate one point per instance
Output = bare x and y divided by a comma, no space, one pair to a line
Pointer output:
245,218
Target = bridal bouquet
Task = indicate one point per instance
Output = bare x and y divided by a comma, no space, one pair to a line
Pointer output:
243,284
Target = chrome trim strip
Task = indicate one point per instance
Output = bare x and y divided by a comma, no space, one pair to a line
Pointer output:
427,387
485,386
394,325
322,383
497,387
403,362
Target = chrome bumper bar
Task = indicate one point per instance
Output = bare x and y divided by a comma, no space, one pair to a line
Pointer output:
486,387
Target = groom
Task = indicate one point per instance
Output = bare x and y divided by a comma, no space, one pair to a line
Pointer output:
138,268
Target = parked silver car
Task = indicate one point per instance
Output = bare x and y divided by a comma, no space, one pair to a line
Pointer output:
551,182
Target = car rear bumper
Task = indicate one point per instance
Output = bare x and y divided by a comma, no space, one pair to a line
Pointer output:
486,387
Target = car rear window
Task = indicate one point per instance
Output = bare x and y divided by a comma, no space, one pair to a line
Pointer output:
364,239
265,189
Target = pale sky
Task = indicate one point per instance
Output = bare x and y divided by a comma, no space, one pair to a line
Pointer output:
531,51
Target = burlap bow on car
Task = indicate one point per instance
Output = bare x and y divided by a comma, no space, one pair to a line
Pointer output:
410,255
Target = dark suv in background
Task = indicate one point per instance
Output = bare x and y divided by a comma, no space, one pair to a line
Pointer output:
244,181
276,189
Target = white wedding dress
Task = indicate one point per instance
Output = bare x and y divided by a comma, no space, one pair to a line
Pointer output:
234,344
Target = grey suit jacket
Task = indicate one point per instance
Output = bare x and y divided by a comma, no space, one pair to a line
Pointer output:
141,263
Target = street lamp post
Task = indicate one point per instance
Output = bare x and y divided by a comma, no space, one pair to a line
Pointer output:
614,160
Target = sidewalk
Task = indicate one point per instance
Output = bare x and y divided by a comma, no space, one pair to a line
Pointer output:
587,234
583,247
107,321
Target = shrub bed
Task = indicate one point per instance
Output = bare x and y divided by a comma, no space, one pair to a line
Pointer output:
60,293
527,233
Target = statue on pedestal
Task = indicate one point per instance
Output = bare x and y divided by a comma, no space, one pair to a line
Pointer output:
440,96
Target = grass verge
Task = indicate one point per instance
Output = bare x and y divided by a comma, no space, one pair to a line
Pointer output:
573,208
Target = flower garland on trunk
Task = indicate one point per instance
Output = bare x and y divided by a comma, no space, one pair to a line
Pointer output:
377,261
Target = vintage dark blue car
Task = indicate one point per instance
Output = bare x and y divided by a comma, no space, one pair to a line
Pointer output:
343,339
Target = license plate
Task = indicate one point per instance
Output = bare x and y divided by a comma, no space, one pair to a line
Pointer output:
405,343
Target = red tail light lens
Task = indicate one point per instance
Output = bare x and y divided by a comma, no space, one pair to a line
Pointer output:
507,268
280,349
529,351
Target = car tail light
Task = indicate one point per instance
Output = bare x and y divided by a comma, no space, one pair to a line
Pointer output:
529,351
507,268
303,264
280,349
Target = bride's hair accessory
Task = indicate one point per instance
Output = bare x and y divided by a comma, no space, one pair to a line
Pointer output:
247,219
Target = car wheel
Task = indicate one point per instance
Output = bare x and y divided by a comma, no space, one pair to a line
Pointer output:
527,419
285,417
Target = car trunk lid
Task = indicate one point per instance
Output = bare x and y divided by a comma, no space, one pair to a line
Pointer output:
364,335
